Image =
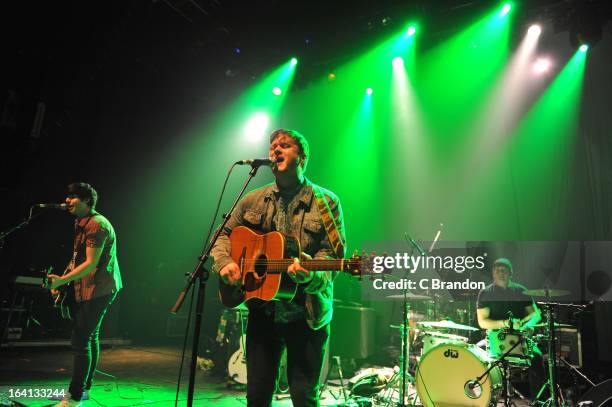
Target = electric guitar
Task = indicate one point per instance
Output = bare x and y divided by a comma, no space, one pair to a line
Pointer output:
263,260
63,296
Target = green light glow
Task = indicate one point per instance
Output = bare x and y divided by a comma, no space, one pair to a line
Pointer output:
369,91
277,91
411,31
293,61
584,48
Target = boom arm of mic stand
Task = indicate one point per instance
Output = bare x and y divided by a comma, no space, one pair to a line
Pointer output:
25,222
495,363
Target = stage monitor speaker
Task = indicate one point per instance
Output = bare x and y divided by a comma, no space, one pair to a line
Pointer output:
352,332
569,346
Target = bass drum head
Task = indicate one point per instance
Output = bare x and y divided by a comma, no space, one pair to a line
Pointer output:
446,371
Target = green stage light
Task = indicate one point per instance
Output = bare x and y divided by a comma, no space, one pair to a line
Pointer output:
584,48
398,62
369,91
277,91
505,9
411,31
294,61
256,127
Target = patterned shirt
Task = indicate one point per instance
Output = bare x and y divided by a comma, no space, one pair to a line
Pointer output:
96,231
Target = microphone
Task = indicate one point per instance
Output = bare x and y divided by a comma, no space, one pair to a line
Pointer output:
472,389
61,206
414,243
257,162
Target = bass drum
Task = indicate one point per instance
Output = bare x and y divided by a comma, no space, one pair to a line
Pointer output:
446,377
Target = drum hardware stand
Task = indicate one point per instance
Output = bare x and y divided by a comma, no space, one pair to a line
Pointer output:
577,371
503,364
556,398
405,355
405,337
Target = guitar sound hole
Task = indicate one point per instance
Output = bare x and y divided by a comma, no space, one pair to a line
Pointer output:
260,266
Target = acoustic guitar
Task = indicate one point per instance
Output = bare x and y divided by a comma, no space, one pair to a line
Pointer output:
263,260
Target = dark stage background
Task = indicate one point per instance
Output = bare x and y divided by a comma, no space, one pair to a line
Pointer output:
133,92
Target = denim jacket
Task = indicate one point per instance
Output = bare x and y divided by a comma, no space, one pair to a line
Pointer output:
256,211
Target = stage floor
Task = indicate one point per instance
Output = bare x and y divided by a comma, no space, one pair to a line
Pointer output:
143,375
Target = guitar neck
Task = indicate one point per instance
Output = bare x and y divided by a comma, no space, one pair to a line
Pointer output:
280,265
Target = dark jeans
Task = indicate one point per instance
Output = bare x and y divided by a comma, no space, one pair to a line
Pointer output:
87,320
305,353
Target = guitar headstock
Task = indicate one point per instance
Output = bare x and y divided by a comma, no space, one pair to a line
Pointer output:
353,265
360,265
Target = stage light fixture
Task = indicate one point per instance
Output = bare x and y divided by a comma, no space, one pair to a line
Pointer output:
398,62
277,91
331,76
505,9
369,91
411,31
294,61
534,30
584,48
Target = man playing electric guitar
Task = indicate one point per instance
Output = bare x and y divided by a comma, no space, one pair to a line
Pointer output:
311,215
94,272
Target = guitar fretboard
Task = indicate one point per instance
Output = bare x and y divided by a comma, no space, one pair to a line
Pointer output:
280,265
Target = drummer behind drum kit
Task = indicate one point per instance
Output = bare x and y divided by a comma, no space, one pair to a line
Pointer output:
449,371
453,372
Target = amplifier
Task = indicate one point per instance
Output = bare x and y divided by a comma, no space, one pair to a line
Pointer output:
569,346
352,332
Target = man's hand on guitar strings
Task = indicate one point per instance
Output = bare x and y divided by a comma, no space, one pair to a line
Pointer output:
230,274
298,273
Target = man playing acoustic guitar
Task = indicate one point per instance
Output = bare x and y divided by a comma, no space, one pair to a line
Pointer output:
94,272
312,216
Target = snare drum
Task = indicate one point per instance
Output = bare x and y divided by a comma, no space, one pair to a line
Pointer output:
446,377
501,340
432,339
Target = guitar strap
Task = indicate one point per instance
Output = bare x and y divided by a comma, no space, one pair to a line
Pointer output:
330,220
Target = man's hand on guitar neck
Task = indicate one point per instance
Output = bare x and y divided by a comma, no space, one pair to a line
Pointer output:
54,281
230,274
298,273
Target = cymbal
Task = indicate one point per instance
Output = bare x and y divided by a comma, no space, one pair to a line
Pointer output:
446,324
546,292
410,296
557,325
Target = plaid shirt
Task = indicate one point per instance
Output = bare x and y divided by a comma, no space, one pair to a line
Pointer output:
96,231
261,210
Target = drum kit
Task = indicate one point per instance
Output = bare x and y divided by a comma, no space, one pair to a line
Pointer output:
451,371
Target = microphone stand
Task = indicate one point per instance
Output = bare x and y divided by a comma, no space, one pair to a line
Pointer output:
24,223
503,363
202,274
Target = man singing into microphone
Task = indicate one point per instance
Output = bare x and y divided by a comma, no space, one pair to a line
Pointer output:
294,206
94,273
